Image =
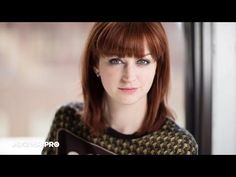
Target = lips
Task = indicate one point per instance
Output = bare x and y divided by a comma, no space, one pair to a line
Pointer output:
128,89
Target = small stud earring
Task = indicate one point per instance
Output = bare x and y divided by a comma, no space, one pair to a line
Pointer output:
97,74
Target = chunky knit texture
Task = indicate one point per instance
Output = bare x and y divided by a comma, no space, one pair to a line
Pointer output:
169,140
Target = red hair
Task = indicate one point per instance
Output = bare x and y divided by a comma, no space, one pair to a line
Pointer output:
126,39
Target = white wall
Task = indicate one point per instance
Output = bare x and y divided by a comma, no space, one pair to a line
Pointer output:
224,89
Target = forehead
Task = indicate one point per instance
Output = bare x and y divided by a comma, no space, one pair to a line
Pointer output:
146,48
144,51
127,40
124,40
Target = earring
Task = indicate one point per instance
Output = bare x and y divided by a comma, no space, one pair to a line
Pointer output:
97,73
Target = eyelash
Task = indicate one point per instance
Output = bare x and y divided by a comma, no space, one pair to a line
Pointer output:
116,61
143,61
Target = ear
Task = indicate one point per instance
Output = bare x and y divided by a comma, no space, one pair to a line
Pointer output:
95,70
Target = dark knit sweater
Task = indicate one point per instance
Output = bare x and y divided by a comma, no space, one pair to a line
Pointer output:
169,140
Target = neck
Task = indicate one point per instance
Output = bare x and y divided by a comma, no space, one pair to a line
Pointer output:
126,119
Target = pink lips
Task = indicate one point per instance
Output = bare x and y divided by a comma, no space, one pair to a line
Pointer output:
128,90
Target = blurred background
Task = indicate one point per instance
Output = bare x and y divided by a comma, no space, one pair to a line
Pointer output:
39,72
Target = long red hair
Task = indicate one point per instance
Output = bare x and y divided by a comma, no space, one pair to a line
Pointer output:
126,39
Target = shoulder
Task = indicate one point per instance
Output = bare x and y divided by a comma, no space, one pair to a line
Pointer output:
180,140
68,115
70,109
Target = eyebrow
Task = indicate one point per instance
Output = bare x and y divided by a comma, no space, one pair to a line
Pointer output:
147,54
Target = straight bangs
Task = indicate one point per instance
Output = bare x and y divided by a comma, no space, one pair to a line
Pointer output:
127,40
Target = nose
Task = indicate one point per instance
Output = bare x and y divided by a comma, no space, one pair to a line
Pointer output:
129,73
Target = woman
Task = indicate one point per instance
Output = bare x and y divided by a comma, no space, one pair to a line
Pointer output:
125,82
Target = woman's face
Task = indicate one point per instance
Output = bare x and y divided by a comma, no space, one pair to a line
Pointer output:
127,80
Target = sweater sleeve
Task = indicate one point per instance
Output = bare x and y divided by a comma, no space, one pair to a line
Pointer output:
186,144
64,117
175,140
52,135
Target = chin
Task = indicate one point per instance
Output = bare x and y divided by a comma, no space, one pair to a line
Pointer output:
129,101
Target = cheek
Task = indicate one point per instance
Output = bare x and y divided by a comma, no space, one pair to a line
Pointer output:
109,77
147,78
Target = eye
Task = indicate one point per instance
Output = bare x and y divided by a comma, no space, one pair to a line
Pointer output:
115,61
143,62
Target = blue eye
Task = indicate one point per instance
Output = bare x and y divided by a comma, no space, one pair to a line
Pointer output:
115,61
143,62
